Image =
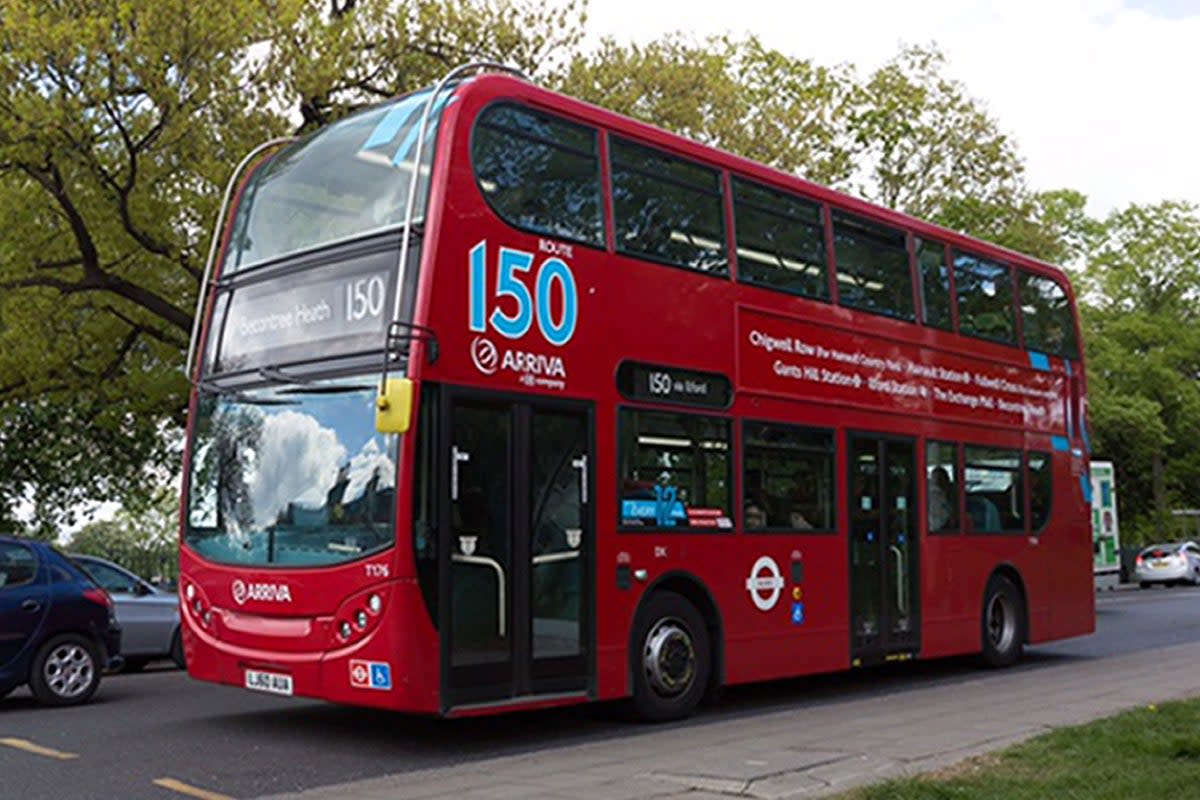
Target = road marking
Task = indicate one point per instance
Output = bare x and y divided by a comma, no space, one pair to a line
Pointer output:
191,791
37,749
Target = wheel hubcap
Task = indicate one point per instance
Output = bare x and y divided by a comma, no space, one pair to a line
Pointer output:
69,670
669,658
1002,622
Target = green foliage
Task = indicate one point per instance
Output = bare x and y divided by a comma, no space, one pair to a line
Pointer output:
1143,346
143,541
120,123
737,95
926,141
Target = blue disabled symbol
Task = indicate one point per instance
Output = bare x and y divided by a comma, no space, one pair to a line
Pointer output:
381,676
797,613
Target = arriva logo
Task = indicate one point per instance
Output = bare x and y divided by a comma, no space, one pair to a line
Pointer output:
485,355
266,592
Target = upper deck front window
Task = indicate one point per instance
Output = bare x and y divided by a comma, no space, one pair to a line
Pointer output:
349,179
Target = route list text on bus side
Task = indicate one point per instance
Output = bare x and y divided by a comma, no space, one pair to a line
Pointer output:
785,356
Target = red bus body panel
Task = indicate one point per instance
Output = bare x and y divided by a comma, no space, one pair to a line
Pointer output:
639,311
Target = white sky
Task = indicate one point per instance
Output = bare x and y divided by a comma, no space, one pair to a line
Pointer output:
1102,96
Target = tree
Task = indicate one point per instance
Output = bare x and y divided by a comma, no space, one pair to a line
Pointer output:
924,141
1143,287
144,542
1053,226
737,95
120,125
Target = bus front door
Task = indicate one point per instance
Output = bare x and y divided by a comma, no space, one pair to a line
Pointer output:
884,578
517,544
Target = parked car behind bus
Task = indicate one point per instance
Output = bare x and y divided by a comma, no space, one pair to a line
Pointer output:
58,628
149,616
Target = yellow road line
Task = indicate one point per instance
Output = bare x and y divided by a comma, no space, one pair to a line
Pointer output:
37,749
191,791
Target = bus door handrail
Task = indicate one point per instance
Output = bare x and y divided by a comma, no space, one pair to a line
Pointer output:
414,182
502,594
209,263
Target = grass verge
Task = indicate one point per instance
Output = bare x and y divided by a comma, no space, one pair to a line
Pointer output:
1151,753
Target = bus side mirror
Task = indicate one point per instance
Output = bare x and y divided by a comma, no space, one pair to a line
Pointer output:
393,406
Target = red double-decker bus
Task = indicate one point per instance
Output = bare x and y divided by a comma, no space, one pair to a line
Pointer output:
505,401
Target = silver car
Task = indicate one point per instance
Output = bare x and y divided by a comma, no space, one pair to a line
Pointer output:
1167,564
148,615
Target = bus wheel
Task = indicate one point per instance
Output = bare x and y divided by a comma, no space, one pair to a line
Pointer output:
672,658
1003,623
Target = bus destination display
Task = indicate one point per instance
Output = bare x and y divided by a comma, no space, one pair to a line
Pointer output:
659,384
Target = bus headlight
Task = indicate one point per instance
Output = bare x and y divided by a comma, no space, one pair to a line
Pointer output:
360,619
345,630
375,603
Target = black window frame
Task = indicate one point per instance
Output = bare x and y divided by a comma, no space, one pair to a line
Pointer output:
740,500
601,198
1072,340
1024,489
37,563
873,231
1008,285
615,143
822,217
730,468
959,500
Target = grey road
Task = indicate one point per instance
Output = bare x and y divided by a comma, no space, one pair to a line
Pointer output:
160,726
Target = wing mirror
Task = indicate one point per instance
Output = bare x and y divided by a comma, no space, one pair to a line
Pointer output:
393,406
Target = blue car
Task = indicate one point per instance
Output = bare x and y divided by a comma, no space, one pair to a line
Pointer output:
58,628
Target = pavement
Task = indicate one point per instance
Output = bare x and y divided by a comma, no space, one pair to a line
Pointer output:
814,751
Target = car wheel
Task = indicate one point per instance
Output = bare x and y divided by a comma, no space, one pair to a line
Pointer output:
1003,623
66,671
1144,585
177,650
670,660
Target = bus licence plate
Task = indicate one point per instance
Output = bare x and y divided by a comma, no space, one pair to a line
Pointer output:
271,682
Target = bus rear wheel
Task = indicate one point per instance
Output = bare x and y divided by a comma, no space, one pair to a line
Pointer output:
671,659
1003,623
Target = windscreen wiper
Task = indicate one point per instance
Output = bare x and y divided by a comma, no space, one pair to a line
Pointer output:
306,385
242,397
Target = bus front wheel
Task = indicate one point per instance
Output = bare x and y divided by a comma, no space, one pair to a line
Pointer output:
671,660
1003,623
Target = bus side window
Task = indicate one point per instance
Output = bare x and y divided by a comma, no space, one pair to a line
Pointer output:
667,209
1041,490
872,267
1046,316
942,487
788,478
540,173
994,484
935,284
780,241
984,296
675,471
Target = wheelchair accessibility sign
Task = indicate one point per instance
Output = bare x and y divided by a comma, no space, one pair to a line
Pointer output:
370,674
